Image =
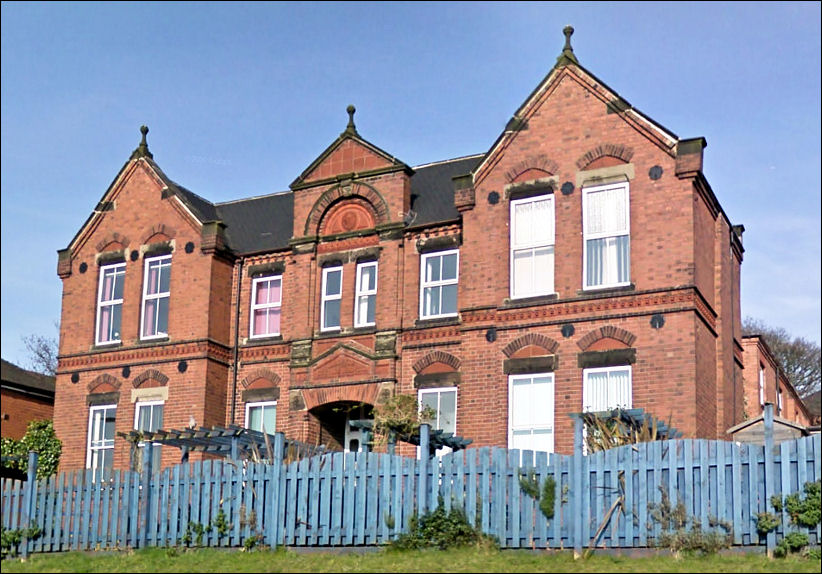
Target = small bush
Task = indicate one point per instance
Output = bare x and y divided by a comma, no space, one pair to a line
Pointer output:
792,542
442,529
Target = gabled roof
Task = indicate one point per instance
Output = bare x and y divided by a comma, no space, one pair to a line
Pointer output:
350,133
22,380
567,59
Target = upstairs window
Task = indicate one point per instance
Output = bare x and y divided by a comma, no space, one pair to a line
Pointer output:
331,299
266,301
606,227
365,303
532,246
261,416
110,303
100,454
154,321
761,385
438,289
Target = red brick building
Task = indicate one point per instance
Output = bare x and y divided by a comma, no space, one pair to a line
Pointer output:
765,382
582,262
26,396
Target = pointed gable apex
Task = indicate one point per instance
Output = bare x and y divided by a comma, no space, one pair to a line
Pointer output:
567,65
198,210
349,155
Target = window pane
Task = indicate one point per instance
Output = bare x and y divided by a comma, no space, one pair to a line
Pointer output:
431,298
261,295
332,282
116,319
162,315
332,314
606,211
270,419
108,426
448,411
119,280
368,278
544,270
432,269
273,321
449,266
521,403
523,264
429,400
165,277
157,417
449,299
255,417
149,318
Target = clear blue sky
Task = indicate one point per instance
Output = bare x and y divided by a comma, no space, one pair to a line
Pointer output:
240,98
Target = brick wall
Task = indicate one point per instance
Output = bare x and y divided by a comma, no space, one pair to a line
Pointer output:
19,409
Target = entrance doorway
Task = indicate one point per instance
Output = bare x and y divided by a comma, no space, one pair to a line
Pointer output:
335,429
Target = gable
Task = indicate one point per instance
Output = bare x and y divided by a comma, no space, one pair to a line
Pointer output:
349,156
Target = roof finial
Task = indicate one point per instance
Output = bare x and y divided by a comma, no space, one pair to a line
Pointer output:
351,128
568,31
142,149
567,56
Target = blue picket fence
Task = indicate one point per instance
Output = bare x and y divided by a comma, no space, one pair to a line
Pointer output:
362,499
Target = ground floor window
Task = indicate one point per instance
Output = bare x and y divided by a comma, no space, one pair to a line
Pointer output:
148,417
261,417
606,388
100,455
531,412
443,403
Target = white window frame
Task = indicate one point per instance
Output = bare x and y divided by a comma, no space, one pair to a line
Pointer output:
360,293
586,372
761,385
438,391
586,191
117,269
139,405
440,283
154,297
325,297
263,405
106,444
778,399
551,426
549,290
257,306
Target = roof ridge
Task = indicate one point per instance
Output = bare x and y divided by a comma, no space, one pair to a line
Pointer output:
253,197
440,162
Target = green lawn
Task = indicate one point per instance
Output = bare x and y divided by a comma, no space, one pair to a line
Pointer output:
462,560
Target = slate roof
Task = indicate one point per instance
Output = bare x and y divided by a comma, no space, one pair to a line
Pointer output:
264,223
22,380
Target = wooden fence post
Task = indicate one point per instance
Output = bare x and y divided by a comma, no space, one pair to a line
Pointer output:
144,493
29,493
576,489
769,473
422,491
271,519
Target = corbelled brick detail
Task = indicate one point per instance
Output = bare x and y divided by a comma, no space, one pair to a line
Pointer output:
536,339
620,151
437,357
606,331
266,374
151,374
104,379
538,162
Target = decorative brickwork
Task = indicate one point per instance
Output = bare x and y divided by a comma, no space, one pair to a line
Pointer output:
267,375
437,357
619,151
535,339
149,375
105,379
609,332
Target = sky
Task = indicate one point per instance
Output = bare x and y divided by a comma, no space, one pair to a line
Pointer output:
241,97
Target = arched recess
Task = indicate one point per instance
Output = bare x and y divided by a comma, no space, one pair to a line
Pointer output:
605,155
104,383
529,345
261,378
157,233
606,338
112,242
532,167
437,362
367,194
150,378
